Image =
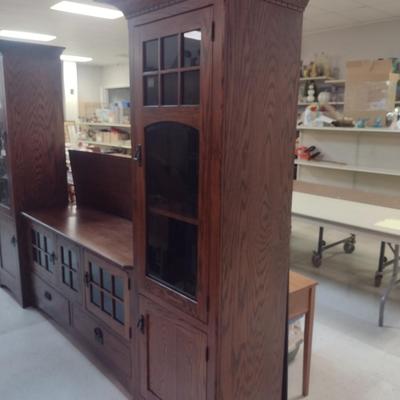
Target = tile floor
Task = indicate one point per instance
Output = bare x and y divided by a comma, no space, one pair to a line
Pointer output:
38,363
352,358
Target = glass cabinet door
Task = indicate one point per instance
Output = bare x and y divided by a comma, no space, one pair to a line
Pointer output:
172,190
107,293
70,269
4,180
173,65
44,253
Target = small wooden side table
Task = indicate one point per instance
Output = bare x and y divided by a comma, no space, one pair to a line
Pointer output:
302,302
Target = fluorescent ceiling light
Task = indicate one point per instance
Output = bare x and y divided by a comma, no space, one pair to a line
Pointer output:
65,57
36,37
86,9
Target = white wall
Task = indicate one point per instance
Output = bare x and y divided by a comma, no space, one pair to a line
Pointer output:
89,83
115,76
70,76
362,42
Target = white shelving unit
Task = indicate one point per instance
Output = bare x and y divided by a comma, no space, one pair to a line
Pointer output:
326,82
364,159
110,145
98,126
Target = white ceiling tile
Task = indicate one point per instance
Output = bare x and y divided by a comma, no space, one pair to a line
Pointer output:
335,5
366,14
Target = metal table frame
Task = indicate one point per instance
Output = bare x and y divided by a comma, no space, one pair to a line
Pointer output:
390,241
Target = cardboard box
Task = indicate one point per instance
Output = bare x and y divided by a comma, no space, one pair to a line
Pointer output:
370,90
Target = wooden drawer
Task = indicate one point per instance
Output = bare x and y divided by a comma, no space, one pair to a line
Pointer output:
51,302
108,348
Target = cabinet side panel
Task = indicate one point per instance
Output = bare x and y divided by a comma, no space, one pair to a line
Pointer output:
36,127
262,61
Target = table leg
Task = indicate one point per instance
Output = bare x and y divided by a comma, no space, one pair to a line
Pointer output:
391,286
308,335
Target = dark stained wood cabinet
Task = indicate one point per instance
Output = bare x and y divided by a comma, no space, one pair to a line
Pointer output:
81,262
32,154
214,91
188,298
174,355
107,293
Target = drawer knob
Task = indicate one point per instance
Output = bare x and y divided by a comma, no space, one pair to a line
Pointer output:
48,296
98,335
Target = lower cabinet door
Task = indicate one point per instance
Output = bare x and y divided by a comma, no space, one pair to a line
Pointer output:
173,356
9,266
107,293
51,302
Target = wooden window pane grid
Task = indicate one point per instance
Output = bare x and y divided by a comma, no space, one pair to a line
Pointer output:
164,87
107,293
41,251
69,269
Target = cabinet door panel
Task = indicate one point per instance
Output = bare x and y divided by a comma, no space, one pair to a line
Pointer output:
69,261
172,129
43,253
172,356
9,247
107,293
9,265
5,192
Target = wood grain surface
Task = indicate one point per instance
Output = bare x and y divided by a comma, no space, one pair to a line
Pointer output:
35,133
103,182
261,58
104,234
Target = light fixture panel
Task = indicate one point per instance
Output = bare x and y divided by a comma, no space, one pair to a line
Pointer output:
87,9
29,36
70,58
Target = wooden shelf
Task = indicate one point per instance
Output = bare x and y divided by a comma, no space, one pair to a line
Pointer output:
336,82
106,124
317,78
174,215
349,130
332,103
346,167
113,145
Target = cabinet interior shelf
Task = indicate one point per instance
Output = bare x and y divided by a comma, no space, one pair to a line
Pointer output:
102,144
346,167
106,124
174,215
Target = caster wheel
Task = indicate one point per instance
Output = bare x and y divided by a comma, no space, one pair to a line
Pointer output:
316,260
378,280
349,248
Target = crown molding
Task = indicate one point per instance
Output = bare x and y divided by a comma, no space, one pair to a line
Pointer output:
134,8
297,5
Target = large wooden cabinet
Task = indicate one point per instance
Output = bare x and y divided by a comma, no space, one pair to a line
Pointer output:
214,92
81,261
32,155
